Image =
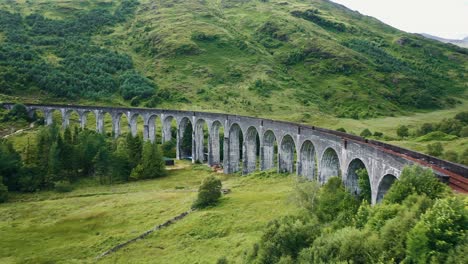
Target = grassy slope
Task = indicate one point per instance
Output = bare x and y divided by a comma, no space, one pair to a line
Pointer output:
218,74
75,227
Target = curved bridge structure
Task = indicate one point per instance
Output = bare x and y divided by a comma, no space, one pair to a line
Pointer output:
250,144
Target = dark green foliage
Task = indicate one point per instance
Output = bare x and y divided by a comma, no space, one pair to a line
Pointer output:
347,245
83,69
208,193
462,117
435,149
341,130
133,85
135,148
364,185
3,191
18,112
186,143
284,238
10,165
169,148
314,16
263,88
335,203
378,134
366,133
451,156
63,187
415,180
151,165
402,131
440,229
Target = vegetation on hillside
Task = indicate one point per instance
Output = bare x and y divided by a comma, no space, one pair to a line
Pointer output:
236,56
56,160
419,221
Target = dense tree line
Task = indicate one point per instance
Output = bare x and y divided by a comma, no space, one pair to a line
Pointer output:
56,158
80,68
419,221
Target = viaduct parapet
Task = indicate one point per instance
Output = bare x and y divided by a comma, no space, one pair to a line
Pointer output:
251,144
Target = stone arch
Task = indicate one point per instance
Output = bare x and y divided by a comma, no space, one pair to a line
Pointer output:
185,141
269,150
133,123
85,121
216,143
329,165
167,124
384,185
69,116
251,145
352,178
308,164
150,128
235,148
52,116
200,140
287,154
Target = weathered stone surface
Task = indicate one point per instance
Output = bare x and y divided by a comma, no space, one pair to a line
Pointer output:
315,153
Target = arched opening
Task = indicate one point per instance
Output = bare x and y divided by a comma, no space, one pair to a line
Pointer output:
357,180
151,129
88,120
215,155
168,124
235,148
52,116
329,165
201,140
37,116
169,137
307,165
73,119
270,151
287,155
251,150
185,139
384,186
136,125
107,126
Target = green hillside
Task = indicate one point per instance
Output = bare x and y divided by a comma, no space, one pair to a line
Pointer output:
268,58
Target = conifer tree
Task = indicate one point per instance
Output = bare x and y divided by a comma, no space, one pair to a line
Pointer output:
152,163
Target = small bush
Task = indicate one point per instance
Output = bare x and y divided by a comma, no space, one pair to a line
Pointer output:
436,135
341,130
378,134
435,149
208,193
366,133
402,131
63,187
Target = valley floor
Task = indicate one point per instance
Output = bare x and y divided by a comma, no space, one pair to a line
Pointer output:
76,227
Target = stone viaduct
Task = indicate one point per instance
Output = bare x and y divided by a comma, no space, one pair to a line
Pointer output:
251,144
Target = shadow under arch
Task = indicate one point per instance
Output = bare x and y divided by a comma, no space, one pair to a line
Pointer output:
200,140
251,146
329,165
216,142
384,185
307,166
352,178
185,135
269,150
235,148
287,154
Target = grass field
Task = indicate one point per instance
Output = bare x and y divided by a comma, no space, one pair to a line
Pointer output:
76,227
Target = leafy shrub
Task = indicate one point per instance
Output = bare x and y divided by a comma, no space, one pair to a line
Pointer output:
378,134
435,149
366,133
415,180
440,229
208,193
63,187
263,87
341,130
18,112
451,156
347,245
284,238
402,131
436,135
464,132
314,16
133,85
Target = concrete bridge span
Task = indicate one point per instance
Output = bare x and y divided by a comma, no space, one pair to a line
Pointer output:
250,144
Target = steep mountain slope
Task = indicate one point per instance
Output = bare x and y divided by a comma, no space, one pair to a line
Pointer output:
459,42
250,57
